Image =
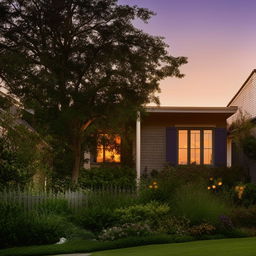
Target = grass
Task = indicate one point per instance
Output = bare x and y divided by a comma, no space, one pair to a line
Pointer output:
221,247
224,247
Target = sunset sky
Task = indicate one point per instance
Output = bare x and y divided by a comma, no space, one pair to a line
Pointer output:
219,39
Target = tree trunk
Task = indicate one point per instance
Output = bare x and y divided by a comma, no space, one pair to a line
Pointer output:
77,148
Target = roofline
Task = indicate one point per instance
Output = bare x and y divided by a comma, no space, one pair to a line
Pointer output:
224,110
249,77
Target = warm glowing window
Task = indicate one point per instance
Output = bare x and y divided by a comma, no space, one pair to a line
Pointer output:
108,149
195,146
207,146
183,147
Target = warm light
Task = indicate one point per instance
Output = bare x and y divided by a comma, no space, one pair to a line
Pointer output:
211,179
219,183
150,186
156,187
213,186
208,187
154,183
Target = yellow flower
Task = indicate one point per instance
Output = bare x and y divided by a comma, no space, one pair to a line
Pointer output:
213,186
219,183
156,187
150,186
154,183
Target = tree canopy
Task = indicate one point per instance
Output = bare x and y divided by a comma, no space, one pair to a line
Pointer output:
76,61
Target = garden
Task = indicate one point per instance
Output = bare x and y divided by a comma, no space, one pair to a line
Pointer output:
171,206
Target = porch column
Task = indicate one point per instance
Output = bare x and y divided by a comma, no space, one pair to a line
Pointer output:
229,152
138,147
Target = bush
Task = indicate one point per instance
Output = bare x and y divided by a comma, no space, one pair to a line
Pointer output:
54,206
174,225
249,194
31,228
244,217
108,175
201,230
150,213
100,212
125,230
198,205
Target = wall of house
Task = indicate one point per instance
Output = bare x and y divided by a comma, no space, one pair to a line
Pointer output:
153,134
245,100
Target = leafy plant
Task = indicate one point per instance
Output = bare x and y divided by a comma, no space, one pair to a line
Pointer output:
202,229
125,230
196,203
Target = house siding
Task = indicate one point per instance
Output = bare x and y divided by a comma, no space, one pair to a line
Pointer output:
245,100
153,134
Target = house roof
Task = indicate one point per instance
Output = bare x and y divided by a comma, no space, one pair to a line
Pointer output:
246,81
224,110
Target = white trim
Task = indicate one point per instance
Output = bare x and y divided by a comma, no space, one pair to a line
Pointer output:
229,152
224,110
138,148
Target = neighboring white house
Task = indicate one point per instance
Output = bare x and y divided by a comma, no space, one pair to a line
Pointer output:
245,98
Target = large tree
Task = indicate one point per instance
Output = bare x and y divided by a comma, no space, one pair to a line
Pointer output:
76,61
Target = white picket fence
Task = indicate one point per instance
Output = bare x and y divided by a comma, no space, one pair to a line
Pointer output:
30,200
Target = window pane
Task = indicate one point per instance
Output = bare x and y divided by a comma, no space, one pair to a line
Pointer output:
99,158
183,156
207,138
207,156
183,147
207,146
108,149
195,147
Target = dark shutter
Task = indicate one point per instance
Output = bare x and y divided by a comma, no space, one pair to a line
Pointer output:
220,147
171,145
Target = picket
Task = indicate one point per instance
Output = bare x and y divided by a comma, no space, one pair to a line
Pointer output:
30,200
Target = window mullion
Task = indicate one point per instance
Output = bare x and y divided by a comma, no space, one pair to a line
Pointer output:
189,146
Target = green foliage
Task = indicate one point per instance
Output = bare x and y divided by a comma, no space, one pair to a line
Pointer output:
202,229
125,230
100,211
150,212
173,225
54,207
18,227
244,217
249,147
107,175
249,195
198,205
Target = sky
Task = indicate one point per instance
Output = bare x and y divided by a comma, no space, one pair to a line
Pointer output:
219,39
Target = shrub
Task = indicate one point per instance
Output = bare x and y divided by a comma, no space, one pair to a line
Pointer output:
249,194
198,205
173,225
150,213
125,230
32,228
108,176
54,206
244,217
202,229
100,212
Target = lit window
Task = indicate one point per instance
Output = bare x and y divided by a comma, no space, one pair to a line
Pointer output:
183,147
195,146
108,149
207,146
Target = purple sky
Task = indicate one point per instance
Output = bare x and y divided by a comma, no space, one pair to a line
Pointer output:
219,39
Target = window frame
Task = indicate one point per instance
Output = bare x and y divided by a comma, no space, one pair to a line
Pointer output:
201,129
104,148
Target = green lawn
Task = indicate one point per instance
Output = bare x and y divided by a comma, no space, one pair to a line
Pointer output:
225,247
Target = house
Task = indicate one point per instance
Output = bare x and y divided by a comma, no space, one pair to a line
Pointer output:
245,101
174,136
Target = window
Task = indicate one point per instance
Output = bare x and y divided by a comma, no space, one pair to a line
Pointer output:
108,149
195,146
